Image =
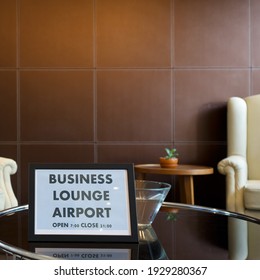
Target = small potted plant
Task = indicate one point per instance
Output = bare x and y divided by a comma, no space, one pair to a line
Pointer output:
171,158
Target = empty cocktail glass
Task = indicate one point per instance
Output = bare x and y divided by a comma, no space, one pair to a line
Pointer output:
149,198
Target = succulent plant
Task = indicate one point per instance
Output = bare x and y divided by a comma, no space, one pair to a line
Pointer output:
171,153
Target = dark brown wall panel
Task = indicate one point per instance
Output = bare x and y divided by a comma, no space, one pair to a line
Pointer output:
117,81
8,33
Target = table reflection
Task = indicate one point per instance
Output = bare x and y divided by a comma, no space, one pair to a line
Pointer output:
148,248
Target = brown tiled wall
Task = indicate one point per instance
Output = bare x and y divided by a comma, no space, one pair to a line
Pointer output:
118,80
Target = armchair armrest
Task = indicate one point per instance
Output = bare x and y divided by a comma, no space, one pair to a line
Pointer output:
8,167
235,169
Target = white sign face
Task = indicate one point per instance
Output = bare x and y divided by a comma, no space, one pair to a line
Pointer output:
81,202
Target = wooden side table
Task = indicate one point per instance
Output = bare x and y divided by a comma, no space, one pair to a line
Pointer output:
185,171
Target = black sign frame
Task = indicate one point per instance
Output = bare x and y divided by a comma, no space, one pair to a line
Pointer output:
52,236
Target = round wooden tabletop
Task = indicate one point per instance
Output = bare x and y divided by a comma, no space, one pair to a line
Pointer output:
180,169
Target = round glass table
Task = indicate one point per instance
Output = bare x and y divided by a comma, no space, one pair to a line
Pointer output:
179,231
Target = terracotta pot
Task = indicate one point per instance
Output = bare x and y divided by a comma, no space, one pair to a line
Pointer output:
168,163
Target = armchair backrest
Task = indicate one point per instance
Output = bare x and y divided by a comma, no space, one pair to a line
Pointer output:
253,136
237,126
243,134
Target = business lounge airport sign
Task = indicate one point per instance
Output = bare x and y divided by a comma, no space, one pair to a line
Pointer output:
82,203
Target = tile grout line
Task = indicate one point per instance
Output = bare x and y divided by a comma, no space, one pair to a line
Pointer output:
18,108
18,100
173,114
95,81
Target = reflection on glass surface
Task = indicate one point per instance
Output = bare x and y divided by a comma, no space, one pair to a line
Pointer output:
150,248
240,232
83,251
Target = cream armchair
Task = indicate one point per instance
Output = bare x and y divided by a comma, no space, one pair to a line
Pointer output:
7,196
242,170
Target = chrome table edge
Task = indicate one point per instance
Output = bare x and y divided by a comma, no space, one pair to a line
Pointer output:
212,211
15,251
13,210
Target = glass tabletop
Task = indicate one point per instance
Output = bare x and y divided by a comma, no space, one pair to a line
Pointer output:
180,231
